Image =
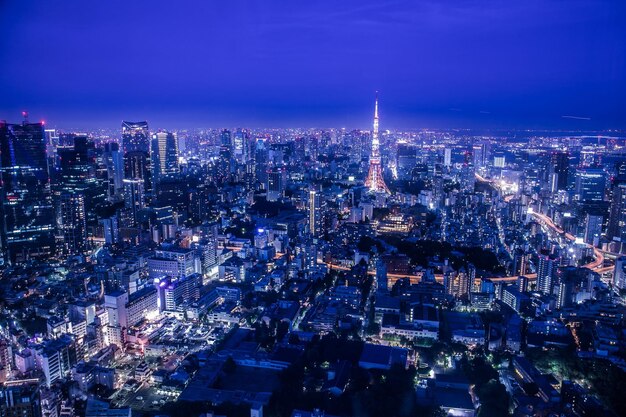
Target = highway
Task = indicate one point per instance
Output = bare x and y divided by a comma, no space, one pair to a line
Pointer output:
596,265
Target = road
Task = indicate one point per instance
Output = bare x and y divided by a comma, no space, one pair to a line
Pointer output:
596,265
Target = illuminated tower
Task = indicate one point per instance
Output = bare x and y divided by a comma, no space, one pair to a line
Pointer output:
375,181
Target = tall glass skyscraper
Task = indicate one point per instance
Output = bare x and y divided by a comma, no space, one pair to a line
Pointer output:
135,137
165,153
28,213
136,144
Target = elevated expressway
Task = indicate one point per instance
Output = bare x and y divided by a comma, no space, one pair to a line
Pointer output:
596,265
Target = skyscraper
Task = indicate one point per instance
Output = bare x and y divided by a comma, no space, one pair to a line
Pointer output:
260,162
546,271
447,157
114,163
558,171
165,153
375,181
135,137
617,218
276,181
136,144
619,273
72,223
315,213
590,184
240,146
27,209
133,199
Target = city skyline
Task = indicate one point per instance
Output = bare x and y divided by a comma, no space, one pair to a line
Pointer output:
549,65
266,208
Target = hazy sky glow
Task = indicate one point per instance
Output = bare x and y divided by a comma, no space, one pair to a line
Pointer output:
457,63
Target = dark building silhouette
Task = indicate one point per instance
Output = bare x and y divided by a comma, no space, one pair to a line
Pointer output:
27,207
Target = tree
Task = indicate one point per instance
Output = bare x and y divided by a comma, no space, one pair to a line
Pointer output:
494,400
229,365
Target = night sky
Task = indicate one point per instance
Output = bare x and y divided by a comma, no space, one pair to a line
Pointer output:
265,63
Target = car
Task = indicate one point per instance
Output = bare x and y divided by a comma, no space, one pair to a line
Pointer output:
140,398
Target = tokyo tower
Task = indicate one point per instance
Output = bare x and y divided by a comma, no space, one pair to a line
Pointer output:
375,181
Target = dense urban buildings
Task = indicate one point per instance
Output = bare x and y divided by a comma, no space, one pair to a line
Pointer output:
221,216
141,271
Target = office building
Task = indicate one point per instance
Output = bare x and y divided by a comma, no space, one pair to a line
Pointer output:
558,171
447,157
56,358
315,213
164,154
171,262
134,200
114,164
499,161
27,209
135,137
616,229
72,224
276,183
619,273
173,292
593,228
590,184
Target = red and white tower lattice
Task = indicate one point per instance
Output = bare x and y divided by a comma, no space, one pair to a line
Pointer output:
375,181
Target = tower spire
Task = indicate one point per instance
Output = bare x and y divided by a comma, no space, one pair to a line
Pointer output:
376,107
375,181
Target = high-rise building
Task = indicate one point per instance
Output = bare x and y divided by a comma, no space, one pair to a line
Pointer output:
619,273
593,228
261,158
114,164
479,152
406,161
172,262
558,171
499,160
71,221
315,212
56,358
374,181
133,200
110,230
165,153
240,146
27,209
546,271
616,229
276,182
115,305
590,184
520,262
135,137
382,281
447,157
568,278
77,174
226,138
174,291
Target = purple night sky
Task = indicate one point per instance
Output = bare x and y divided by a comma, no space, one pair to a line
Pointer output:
458,63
